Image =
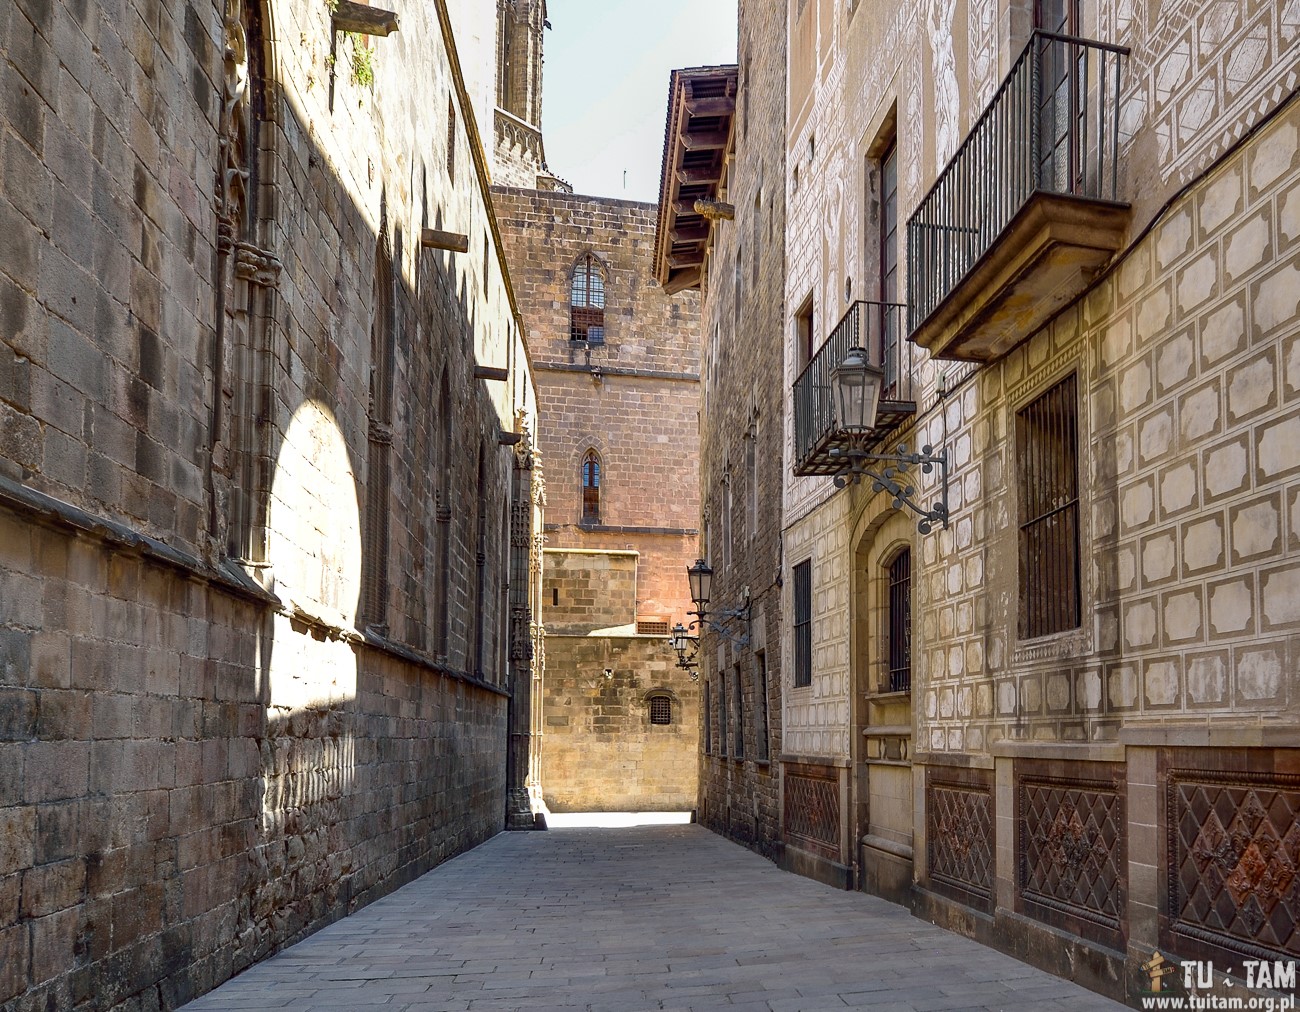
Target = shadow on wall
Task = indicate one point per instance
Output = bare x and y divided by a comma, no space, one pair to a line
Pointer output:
255,773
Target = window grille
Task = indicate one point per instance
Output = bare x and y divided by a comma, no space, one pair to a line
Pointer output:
651,627
661,710
591,487
708,721
722,712
738,749
900,622
803,623
1048,453
760,691
587,301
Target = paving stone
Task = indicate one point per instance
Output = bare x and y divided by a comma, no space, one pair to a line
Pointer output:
647,917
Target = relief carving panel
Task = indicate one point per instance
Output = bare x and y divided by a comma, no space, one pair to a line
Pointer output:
812,810
1070,853
1233,860
959,834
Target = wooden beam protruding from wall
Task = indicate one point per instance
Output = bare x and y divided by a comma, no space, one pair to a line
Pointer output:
432,238
715,209
355,17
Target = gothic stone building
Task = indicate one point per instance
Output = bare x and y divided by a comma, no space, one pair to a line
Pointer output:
1066,231
617,367
267,495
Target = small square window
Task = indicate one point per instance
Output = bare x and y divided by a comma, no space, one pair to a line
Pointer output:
661,710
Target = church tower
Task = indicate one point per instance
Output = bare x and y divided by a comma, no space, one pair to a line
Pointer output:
519,158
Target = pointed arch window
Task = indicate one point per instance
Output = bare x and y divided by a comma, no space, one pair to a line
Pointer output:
591,477
587,301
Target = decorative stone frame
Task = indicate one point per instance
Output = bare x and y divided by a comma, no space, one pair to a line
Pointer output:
1078,643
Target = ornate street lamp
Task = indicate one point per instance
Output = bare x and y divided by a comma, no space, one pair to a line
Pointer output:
700,577
682,642
855,386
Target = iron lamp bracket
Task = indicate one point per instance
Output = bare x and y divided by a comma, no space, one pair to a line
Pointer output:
885,470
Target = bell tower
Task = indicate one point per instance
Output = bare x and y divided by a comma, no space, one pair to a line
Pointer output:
519,156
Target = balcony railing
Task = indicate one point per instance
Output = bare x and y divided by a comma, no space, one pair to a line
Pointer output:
876,327
1052,127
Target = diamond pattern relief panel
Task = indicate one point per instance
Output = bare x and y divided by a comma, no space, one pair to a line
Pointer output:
812,813
1234,860
1072,848
960,837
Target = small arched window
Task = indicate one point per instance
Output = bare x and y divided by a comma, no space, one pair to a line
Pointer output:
661,710
587,301
591,487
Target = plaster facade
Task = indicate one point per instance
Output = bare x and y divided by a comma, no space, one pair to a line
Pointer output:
1179,679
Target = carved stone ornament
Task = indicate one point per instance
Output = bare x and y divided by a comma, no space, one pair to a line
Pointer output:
257,266
232,196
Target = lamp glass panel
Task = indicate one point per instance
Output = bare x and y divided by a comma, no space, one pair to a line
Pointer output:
856,387
701,580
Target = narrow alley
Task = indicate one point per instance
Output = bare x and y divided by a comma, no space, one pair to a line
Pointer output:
650,917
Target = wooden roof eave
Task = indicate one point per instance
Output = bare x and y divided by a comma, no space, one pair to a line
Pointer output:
689,273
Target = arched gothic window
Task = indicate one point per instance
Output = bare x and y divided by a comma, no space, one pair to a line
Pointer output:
591,487
587,301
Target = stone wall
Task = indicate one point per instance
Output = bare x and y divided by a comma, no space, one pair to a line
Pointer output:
632,399
586,590
742,419
600,752
180,799
255,653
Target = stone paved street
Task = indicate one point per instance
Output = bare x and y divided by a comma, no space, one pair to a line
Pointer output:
652,917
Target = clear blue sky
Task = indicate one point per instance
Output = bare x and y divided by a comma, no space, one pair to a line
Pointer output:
605,84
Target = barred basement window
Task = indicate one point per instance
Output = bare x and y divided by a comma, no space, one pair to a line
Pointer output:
587,301
1048,451
661,710
803,623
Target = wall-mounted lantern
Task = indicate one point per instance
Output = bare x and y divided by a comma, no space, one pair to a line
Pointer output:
700,577
855,386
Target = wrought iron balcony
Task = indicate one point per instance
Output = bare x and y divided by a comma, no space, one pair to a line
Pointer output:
1020,220
876,327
